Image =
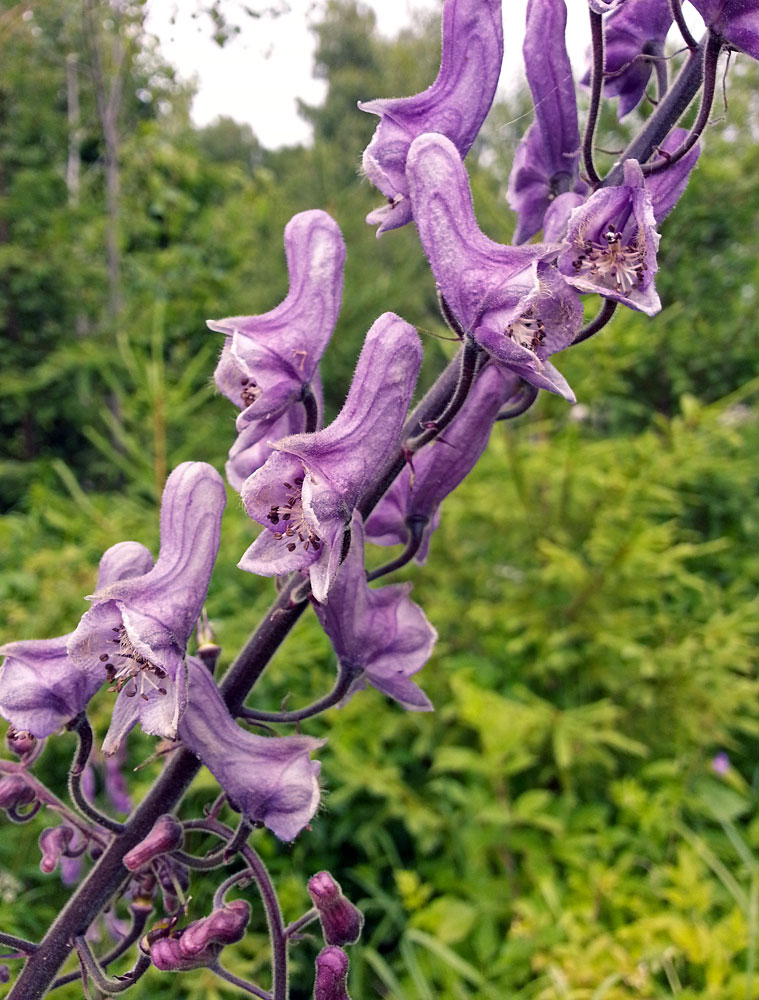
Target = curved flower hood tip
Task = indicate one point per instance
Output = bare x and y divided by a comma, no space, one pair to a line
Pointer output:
514,304
547,159
137,629
305,493
612,242
456,104
271,780
267,359
41,688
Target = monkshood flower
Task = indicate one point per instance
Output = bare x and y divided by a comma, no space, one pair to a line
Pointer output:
137,629
455,105
636,28
612,242
340,920
41,688
331,974
547,159
200,943
440,466
737,21
379,634
514,304
268,359
270,780
307,490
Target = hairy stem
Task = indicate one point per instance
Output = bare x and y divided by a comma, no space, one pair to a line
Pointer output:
596,87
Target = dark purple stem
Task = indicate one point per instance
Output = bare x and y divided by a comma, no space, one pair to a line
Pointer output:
596,87
519,403
416,525
97,975
80,725
598,322
243,984
711,61
677,16
347,674
20,944
310,406
139,919
301,922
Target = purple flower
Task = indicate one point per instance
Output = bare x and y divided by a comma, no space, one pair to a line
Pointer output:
736,20
254,442
201,942
514,305
439,467
267,359
611,244
54,842
378,633
306,492
636,28
41,688
137,629
165,836
455,105
271,780
721,763
341,921
331,974
546,163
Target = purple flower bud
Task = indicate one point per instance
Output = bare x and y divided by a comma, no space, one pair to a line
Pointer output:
270,780
306,492
54,842
137,629
21,743
167,835
736,20
455,105
441,465
331,975
166,955
41,688
612,242
15,792
379,633
633,30
224,926
341,921
514,305
546,162
721,763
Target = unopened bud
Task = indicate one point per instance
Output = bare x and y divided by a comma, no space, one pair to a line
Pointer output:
341,921
20,743
166,955
15,792
165,836
224,926
331,975
54,842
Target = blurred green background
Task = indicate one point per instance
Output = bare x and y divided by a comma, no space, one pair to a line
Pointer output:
556,830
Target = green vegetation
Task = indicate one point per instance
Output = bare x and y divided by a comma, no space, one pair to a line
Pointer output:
555,830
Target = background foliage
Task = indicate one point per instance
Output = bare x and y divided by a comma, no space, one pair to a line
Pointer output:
555,830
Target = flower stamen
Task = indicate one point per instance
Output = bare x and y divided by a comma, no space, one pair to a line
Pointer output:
134,665
296,527
613,264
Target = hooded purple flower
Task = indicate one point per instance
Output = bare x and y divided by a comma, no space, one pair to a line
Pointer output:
379,633
455,105
666,186
306,492
636,28
331,974
270,780
546,163
341,921
201,942
440,466
137,629
514,305
267,359
612,242
736,20
41,688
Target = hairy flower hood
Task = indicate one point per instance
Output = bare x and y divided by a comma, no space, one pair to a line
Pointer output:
455,105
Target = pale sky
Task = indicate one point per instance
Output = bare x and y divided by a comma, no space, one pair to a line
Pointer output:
258,75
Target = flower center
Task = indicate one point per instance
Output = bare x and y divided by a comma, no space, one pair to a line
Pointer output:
295,528
527,331
130,666
611,263
249,391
